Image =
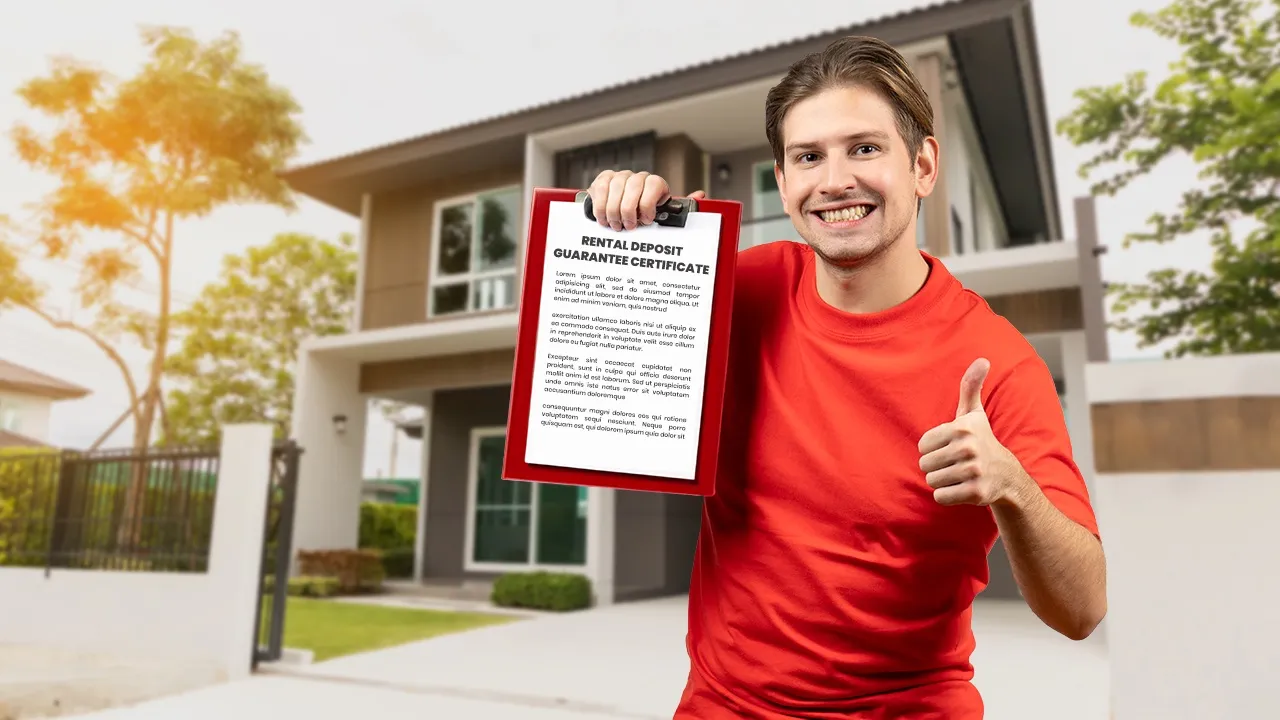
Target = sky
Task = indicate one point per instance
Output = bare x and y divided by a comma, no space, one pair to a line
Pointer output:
382,70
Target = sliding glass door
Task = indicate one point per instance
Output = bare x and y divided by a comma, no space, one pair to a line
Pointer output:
518,525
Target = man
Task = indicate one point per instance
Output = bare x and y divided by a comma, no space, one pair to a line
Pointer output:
882,426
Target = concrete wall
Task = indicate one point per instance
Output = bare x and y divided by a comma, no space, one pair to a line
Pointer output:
1188,459
201,620
26,415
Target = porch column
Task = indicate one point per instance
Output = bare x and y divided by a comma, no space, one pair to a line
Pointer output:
601,521
329,424
424,486
1074,359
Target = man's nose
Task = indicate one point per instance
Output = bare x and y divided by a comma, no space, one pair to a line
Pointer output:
839,177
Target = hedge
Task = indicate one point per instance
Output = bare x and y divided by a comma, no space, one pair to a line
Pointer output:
391,529
357,571
542,590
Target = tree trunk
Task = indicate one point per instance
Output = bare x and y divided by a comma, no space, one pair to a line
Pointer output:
130,533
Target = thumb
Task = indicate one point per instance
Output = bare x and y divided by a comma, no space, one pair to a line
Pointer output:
971,387
697,195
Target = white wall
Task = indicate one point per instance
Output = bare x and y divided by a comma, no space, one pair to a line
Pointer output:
965,170
199,620
31,415
1193,561
330,473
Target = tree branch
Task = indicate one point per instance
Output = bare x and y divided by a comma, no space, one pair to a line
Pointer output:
111,352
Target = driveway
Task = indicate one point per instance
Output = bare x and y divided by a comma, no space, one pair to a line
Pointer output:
625,661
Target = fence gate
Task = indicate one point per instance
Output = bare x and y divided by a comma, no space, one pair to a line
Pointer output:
277,550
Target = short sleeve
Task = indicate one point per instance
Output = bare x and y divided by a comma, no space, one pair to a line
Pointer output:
1026,417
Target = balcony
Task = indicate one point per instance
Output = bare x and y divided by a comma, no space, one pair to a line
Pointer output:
997,269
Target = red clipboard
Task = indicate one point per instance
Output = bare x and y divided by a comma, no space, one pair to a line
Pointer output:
514,466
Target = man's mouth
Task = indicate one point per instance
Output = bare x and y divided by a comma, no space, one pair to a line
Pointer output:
848,214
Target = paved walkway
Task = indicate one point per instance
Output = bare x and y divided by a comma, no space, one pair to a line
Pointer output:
626,661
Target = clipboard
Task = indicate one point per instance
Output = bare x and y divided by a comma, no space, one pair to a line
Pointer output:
674,214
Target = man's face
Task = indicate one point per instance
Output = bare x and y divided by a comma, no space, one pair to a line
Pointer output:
848,180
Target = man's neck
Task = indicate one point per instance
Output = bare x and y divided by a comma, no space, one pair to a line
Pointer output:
883,282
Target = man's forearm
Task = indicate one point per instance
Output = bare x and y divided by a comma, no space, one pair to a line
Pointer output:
1059,566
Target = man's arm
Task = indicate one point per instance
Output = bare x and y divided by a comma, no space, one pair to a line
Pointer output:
1023,470
1058,564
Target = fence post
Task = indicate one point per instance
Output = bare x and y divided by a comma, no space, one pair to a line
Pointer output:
235,548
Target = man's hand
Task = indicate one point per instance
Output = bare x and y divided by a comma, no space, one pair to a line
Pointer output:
626,199
962,460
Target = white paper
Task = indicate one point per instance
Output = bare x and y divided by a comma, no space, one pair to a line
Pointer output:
623,326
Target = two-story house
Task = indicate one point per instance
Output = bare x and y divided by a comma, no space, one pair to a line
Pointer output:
441,246
26,402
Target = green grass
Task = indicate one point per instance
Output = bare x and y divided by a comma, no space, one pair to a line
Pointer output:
332,629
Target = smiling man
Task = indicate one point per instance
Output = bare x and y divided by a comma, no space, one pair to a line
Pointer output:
882,426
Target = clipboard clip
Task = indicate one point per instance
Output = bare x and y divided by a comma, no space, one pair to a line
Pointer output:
673,213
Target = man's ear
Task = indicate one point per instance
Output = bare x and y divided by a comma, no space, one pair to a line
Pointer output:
927,167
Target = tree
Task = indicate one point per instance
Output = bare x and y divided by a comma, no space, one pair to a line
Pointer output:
196,128
241,336
1221,107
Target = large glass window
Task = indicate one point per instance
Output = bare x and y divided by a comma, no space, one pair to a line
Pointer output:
473,266
520,524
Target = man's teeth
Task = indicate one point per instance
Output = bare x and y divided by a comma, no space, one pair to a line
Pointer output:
856,212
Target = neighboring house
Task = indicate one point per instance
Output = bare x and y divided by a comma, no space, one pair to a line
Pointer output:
26,401
435,323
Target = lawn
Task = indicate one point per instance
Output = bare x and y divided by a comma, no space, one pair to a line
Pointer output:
331,629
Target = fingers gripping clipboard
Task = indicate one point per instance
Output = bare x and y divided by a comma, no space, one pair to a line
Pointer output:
622,346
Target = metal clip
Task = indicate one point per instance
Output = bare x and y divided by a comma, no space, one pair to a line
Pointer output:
673,213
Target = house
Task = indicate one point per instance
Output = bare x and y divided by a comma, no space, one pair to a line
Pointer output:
26,401
435,322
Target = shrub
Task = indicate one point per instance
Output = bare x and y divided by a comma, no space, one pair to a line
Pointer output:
356,571
542,590
304,586
391,529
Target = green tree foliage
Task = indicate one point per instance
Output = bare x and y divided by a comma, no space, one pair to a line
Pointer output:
241,336
1219,106
196,128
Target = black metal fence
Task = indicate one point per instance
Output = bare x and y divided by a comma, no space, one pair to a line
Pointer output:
145,511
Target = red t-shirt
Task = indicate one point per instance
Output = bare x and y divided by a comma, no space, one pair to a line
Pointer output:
827,581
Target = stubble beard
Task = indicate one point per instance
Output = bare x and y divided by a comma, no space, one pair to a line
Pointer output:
845,255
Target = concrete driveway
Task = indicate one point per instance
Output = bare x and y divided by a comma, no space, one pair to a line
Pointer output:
625,661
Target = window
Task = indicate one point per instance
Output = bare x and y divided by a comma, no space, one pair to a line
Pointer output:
765,200
514,525
473,262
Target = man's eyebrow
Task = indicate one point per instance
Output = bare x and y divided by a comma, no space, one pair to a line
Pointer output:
877,135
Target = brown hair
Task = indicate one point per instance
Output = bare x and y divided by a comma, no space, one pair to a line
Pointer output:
856,60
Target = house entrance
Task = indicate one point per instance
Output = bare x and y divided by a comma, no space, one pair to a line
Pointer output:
519,525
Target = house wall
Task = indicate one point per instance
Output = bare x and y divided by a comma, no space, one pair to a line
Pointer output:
25,415
398,256
738,185
970,188
454,413
1188,479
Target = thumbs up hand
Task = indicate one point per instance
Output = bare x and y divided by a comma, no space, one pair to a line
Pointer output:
962,460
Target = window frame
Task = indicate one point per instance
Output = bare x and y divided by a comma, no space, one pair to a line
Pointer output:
469,563
470,278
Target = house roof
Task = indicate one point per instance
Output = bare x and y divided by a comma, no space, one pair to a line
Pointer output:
15,440
19,379
993,42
